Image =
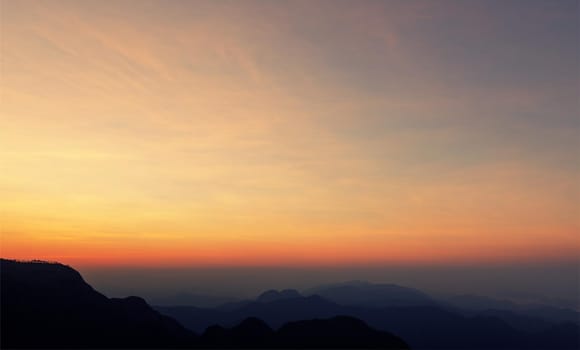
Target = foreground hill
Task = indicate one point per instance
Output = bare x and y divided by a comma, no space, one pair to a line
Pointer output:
49,305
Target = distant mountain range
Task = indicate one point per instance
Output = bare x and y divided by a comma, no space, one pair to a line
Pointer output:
419,319
336,332
476,304
361,293
273,295
49,305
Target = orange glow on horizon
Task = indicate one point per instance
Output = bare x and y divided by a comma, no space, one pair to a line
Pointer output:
202,133
226,254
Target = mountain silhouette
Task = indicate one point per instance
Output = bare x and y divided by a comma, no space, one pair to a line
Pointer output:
422,327
337,332
361,293
250,333
477,304
275,313
49,305
272,295
518,321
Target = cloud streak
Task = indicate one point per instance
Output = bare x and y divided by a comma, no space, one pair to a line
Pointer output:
327,133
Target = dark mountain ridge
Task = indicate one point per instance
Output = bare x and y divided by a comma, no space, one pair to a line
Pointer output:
49,305
273,295
341,332
477,304
362,293
427,327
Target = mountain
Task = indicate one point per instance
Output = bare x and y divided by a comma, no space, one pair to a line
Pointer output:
429,327
250,333
275,313
272,295
49,305
265,297
362,293
337,332
551,313
518,321
422,327
477,304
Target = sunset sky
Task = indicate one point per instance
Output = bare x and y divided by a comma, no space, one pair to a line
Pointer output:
289,133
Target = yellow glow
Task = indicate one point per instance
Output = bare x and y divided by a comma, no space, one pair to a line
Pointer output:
135,137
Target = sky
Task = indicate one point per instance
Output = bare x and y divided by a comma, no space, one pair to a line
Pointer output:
303,134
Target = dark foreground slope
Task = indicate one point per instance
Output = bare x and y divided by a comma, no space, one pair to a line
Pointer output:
49,305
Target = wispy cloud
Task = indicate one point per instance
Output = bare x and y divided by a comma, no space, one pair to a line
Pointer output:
263,129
